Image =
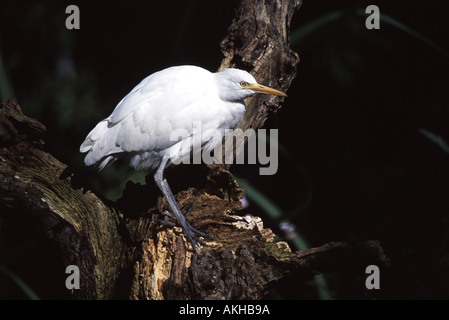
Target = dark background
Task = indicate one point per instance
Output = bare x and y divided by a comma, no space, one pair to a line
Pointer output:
355,163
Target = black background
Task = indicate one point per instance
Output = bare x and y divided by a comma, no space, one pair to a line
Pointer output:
356,166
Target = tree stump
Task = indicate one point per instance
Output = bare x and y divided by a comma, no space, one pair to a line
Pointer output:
120,252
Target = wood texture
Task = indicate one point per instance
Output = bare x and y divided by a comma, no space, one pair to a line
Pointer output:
121,253
258,41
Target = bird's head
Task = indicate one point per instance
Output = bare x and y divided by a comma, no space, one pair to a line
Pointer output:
236,85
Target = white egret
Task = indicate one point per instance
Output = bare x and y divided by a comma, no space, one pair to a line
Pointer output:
141,125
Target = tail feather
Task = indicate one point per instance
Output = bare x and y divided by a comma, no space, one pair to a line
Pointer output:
99,146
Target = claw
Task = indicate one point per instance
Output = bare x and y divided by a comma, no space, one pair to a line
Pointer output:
191,234
189,210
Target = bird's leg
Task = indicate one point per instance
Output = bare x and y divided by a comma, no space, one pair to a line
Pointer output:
165,223
172,224
177,215
181,221
189,231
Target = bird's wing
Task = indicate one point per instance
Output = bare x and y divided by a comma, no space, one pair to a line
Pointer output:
135,98
165,108
161,120
171,83
161,110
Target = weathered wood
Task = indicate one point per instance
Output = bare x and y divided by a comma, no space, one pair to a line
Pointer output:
41,190
121,253
258,41
110,246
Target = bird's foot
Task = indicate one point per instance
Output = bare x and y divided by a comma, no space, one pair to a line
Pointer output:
190,232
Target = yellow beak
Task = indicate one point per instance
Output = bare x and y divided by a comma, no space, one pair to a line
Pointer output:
258,88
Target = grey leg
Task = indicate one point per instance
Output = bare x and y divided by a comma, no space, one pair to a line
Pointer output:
190,232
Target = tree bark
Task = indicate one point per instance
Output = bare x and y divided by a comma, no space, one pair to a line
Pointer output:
120,252
258,40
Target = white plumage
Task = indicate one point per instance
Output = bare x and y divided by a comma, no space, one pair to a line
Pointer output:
178,99
140,126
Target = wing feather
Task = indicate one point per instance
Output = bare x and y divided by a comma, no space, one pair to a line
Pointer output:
150,119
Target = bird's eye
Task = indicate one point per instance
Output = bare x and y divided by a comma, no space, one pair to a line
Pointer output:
243,83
